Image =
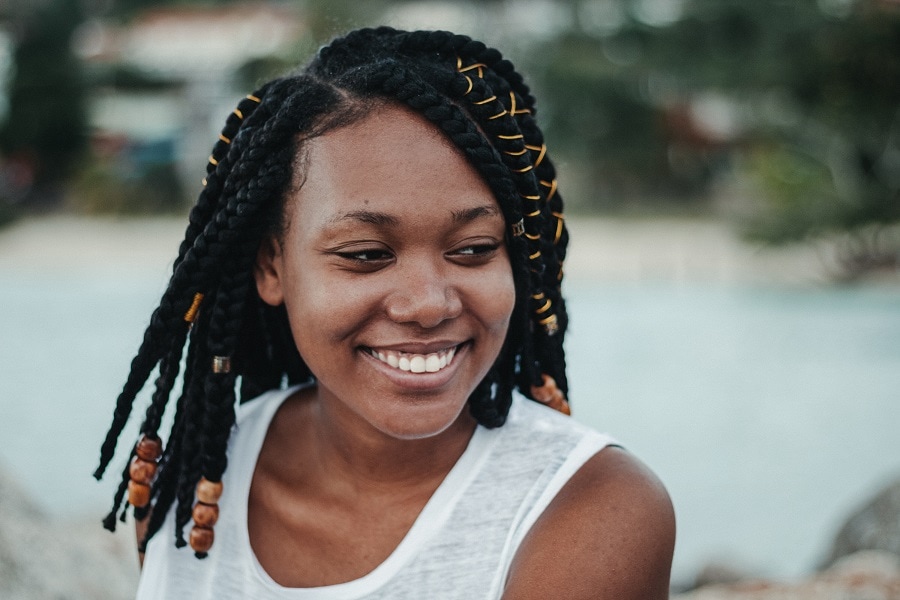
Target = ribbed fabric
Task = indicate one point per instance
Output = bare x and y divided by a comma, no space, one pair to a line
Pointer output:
460,546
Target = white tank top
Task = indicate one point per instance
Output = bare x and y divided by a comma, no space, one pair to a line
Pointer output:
460,546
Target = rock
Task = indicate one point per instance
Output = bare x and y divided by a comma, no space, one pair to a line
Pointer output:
45,559
874,526
866,575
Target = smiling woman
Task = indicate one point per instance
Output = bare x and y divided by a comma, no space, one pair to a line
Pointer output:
375,264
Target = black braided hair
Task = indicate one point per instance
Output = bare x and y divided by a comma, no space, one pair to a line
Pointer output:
465,89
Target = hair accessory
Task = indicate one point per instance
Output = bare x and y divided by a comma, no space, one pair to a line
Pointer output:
485,101
142,470
518,228
552,186
503,113
550,324
559,226
512,106
237,112
221,364
544,308
523,169
213,160
517,136
541,150
516,153
548,393
224,139
191,314
205,514
253,98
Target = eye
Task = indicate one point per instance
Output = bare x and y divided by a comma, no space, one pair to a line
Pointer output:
367,255
476,253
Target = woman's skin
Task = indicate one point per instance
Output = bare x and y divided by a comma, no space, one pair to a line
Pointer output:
394,246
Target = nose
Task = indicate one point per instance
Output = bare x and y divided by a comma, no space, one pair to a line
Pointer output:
425,296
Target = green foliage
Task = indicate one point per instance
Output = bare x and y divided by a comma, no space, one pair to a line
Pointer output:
46,123
102,188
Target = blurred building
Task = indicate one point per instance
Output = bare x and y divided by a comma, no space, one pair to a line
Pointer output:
165,81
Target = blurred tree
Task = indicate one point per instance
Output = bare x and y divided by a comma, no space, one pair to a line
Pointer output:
45,129
802,96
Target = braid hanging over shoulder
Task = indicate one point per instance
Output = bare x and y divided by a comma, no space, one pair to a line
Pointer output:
236,345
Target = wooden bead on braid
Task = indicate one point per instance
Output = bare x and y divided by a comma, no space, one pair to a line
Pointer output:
548,393
205,514
142,470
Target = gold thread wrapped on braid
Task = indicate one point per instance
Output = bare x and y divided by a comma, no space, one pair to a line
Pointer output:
498,115
517,136
559,276
552,186
191,315
237,112
559,226
534,214
517,153
541,150
550,324
485,101
224,139
512,106
253,98
533,237
544,308
212,160
538,296
536,198
523,169
203,181
534,256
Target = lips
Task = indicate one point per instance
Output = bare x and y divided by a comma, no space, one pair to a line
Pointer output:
415,363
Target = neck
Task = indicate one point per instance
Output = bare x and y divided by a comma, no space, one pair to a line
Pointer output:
338,448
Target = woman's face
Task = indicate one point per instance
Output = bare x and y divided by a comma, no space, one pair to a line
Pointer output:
394,273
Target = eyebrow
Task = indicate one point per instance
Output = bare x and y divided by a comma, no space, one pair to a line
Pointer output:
382,219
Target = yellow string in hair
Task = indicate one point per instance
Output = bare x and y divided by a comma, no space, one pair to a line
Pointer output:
253,98
191,313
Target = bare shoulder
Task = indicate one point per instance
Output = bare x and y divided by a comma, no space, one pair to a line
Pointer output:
609,533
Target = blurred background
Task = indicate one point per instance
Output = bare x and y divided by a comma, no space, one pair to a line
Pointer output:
732,177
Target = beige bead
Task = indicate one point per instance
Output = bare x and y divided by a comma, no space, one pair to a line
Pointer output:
209,492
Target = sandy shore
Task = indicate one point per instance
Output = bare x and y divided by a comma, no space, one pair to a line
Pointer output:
602,249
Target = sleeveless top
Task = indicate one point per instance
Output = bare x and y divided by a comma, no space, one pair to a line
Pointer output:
460,546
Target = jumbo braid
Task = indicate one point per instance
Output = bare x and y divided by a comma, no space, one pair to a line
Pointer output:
466,90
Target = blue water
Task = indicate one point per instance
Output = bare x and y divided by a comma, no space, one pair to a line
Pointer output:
769,413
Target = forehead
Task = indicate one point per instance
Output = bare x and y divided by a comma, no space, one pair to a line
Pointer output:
392,161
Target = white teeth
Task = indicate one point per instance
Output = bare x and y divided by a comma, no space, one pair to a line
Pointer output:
415,363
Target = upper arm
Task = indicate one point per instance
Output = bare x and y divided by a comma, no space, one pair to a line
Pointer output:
609,533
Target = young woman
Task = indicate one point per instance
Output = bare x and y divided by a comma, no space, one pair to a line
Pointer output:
375,264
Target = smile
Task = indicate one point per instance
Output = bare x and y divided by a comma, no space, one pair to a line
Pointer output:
415,363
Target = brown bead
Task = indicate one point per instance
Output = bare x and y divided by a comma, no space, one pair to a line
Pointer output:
544,393
142,471
209,492
138,494
201,538
205,515
148,448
